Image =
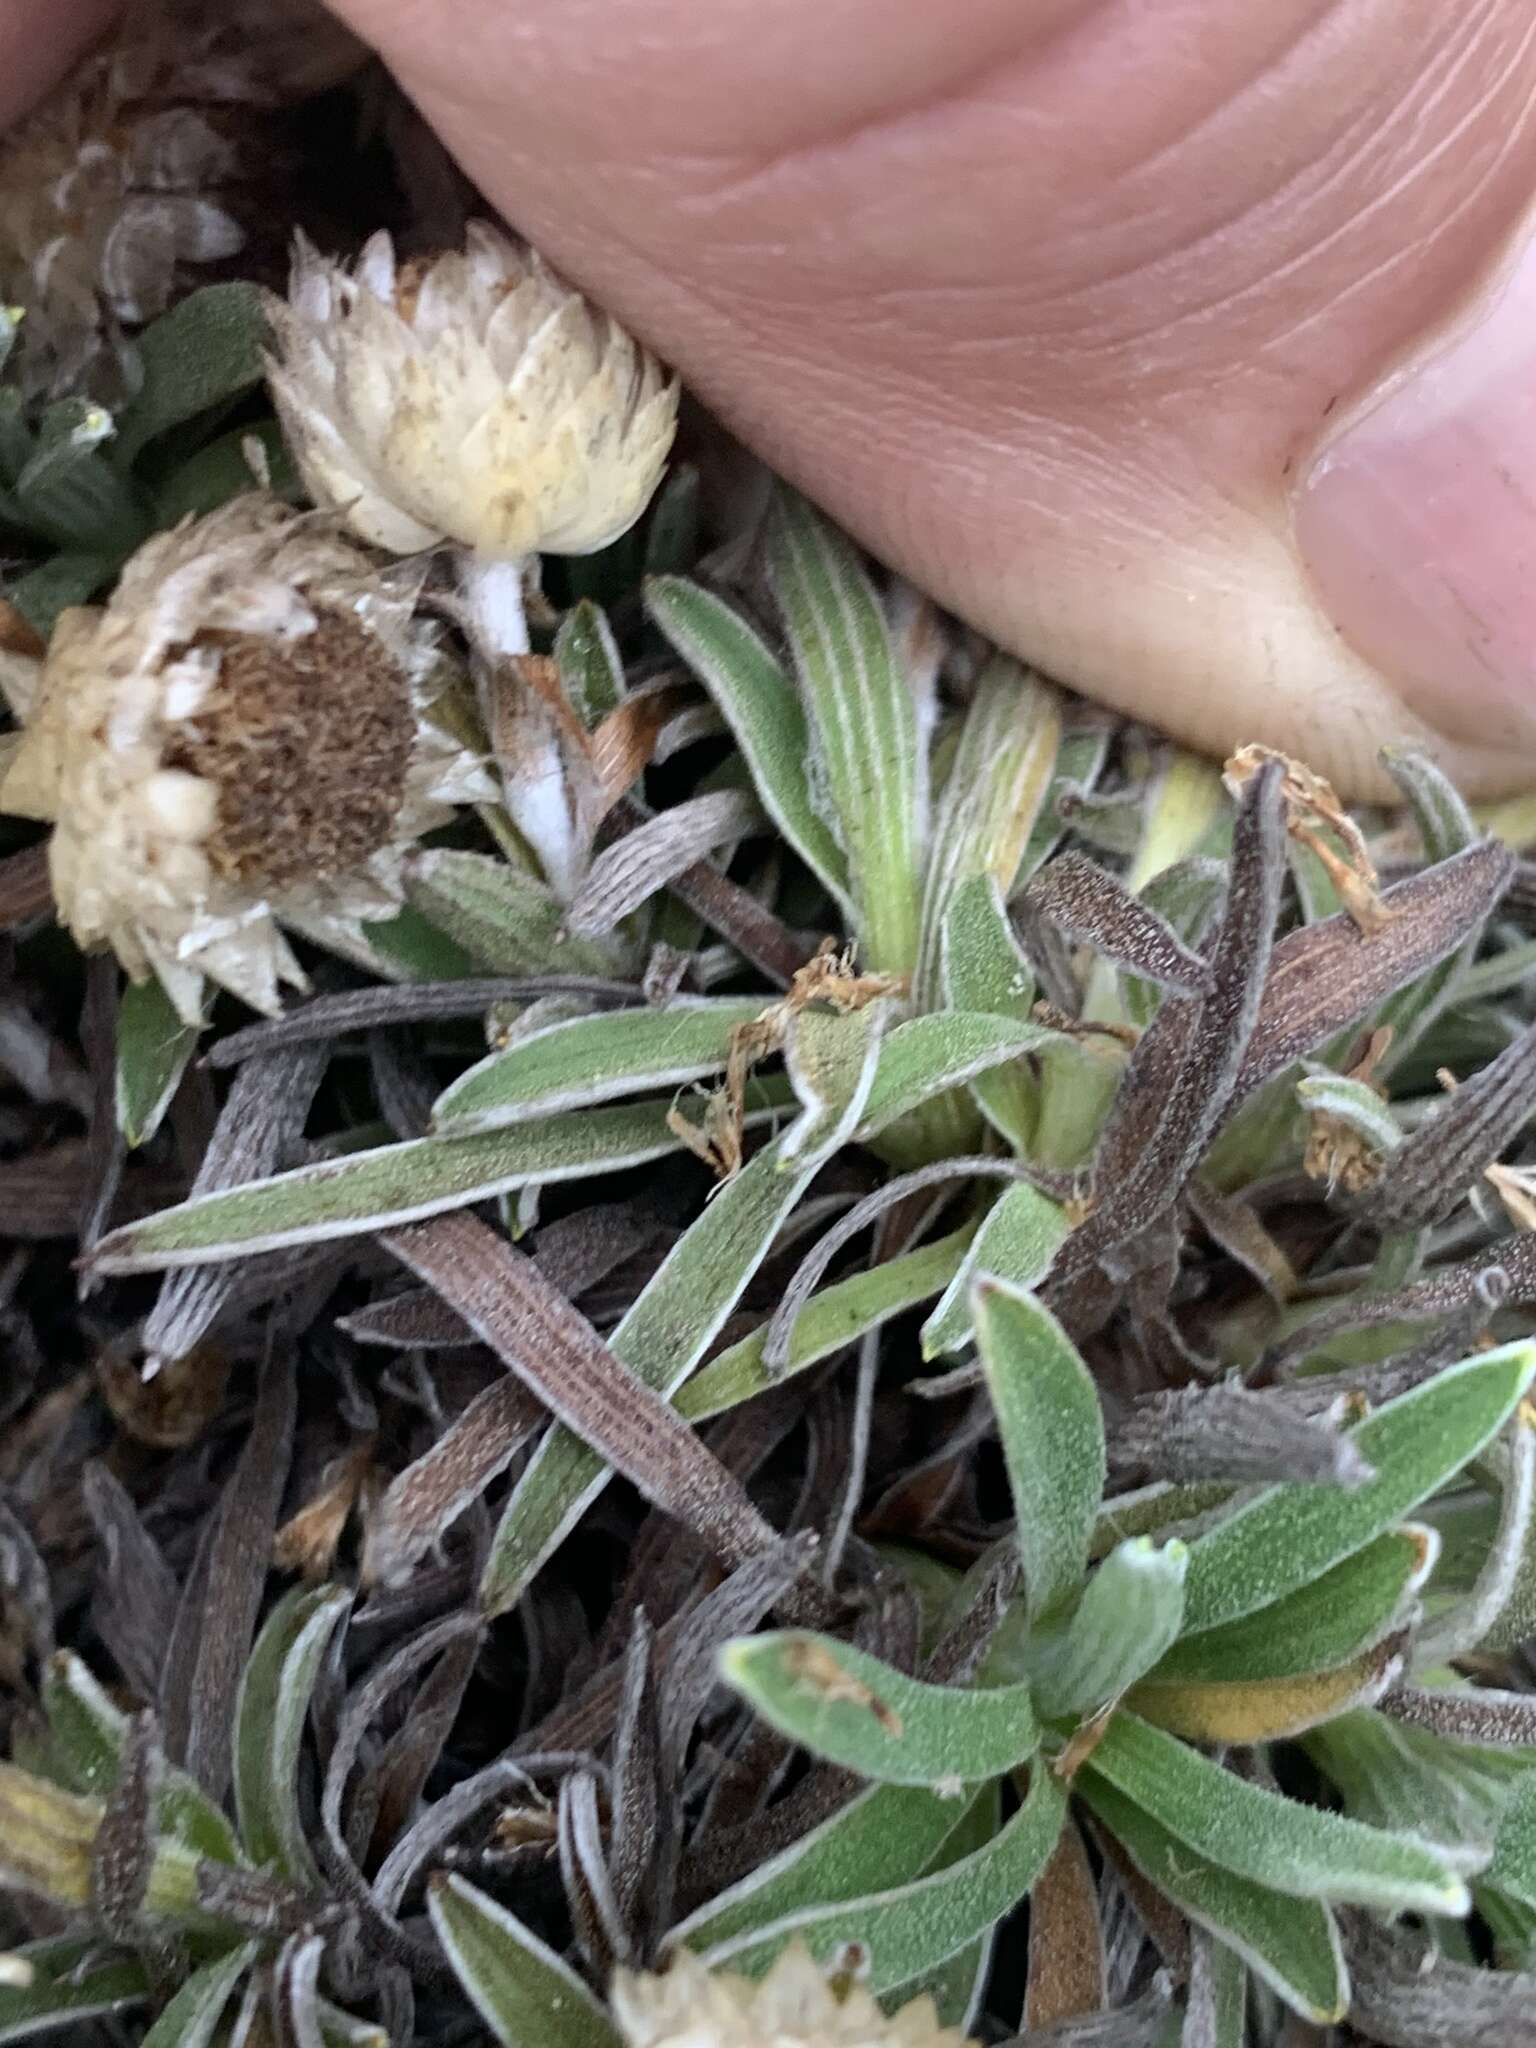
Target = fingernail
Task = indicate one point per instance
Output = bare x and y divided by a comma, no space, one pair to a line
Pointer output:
1417,522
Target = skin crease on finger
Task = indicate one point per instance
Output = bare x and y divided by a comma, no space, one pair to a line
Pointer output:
1047,303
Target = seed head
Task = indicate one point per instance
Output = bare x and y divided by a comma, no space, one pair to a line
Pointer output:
473,397
237,740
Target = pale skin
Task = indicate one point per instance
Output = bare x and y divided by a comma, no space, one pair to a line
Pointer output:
1053,304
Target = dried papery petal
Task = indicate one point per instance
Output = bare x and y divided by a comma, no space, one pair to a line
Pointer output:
473,397
240,737
796,2002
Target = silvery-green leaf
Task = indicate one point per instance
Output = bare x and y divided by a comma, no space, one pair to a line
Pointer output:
589,1060
958,1984
832,1060
88,1731
508,922
851,1708
525,1993
591,667
391,1184
1353,1103
191,2017
1290,1944
1128,1616
1053,1438
863,726
270,1714
153,1048
672,531
886,1837
983,968
1258,1834
909,1931
1016,1243
1513,1868
1287,1536
68,1988
927,1056
830,1321
764,712
661,1339
203,352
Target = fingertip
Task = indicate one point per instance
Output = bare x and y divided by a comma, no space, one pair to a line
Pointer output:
38,45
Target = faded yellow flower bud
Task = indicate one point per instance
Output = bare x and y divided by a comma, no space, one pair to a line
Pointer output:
237,741
690,2006
474,398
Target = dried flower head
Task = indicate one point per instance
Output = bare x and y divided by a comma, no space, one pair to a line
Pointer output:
238,738
474,397
126,175
689,2006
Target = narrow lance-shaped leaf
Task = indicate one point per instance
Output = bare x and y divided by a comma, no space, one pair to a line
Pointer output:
983,968
523,1991
630,872
192,2016
1513,1868
832,1060
1291,1944
863,727
1329,975
66,1985
851,1708
153,1047
764,712
1019,1237
270,1716
660,1340
1431,1171
588,1060
1087,903
886,1837
511,923
1299,1850
1128,1616
911,1930
555,1351
1289,1535
1053,1438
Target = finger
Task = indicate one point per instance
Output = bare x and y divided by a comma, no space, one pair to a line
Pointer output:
38,45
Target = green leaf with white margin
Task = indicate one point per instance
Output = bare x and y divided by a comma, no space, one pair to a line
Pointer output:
764,712
1271,1840
1003,763
983,968
1019,1236
1292,1945
1354,1104
956,1986
661,1339
87,1732
1513,1868
587,1060
66,1987
394,1184
864,735
831,1058
1320,1626
1397,1776
409,947
915,1928
831,1320
1128,1616
1053,1438
927,1056
191,2017
153,1048
526,1994
1288,1535
270,1713
511,923
851,1708
889,1836
204,352
591,667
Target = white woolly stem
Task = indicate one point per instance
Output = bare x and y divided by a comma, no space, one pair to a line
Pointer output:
493,596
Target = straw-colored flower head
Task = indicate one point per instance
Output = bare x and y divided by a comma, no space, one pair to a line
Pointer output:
690,2006
141,166
473,397
238,739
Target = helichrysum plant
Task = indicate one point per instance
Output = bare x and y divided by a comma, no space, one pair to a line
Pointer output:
886,1323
